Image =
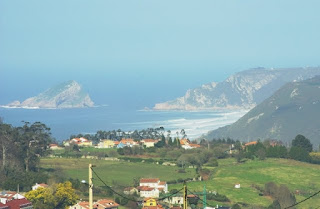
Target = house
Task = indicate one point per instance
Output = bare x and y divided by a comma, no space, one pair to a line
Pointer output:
6,196
149,202
106,143
100,204
36,186
149,142
105,204
82,142
130,191
185,144
250,143
127,143
80,205
17,204
54,147
174,200
146,191
152,187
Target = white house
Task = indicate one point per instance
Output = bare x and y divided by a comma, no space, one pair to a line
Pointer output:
6,196
36,186
152,187
146,191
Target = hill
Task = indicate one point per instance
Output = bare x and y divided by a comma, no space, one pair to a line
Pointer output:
65,95
293,109
245,89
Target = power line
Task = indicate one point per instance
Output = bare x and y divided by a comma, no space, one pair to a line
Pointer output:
130,198
112,189
200,198
170,195
303,200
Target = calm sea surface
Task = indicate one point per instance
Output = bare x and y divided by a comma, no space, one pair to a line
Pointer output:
64,122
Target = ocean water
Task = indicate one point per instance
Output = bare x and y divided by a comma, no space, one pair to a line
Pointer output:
64,122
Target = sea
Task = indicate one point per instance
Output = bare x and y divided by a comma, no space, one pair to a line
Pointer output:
66,122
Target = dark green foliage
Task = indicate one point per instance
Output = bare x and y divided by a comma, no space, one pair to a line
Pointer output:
257,150
300,154
275,205
303,142
213,162
235,206
217,197
277,152
282,195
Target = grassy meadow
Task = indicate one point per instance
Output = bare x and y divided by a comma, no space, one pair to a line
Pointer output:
121,172
296,175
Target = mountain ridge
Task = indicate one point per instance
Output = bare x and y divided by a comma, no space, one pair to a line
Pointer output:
292,110
242,90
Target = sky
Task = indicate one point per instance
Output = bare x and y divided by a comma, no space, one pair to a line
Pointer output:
138,53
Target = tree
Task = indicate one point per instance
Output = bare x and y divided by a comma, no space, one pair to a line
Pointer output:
303,142
285,197
300,154
6,140
235,206
33,140
261,154
57,196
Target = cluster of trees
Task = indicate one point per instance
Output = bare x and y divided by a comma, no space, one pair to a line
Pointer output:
282,196
20,150
300,150
60,195
149,133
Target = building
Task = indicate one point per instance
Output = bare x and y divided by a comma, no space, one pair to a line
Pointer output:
106,143
105,204
152,187
148,142
17,204
127,143
82,142
6,196
54,147
185,144
250,143
36,186
100,204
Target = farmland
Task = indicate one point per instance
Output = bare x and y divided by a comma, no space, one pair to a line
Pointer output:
296,175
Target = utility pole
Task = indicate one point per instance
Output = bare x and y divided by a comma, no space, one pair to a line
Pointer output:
185,194
90,187
204,197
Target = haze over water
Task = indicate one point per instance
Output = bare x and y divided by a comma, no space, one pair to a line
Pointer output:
64,122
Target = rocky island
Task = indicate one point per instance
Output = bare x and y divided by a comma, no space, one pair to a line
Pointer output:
65,95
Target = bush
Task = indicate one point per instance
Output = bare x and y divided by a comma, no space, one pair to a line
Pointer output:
218,197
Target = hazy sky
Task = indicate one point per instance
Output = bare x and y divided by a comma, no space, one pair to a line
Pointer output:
136,53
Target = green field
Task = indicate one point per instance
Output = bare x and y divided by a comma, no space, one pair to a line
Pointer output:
296,175
115,171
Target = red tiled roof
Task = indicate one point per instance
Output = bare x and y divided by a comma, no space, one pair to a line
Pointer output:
251,143
19,204
184,141
149,180
194,145
145,188
162,183
150,140
107,203
153,207
84,204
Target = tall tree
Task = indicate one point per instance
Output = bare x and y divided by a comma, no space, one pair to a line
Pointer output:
33,140
303,142
6,139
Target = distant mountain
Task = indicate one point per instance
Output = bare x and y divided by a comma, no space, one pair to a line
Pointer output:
293,109
65,95
245,89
